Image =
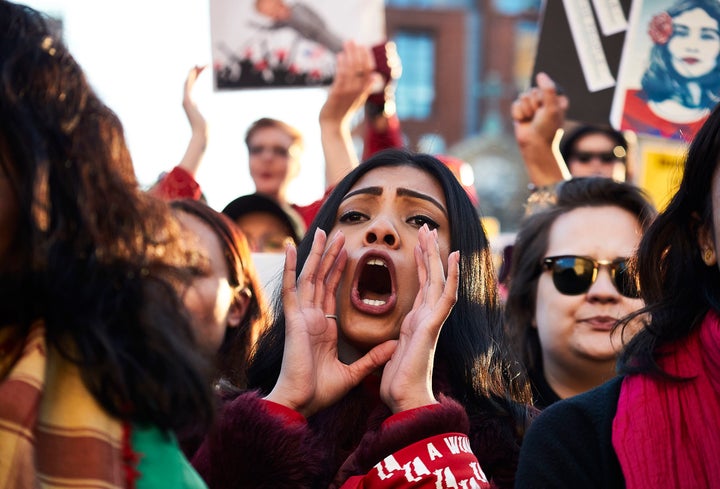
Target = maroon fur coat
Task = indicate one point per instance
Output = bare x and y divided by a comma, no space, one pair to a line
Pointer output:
256,448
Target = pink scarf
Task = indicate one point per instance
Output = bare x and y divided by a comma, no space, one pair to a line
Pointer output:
667,434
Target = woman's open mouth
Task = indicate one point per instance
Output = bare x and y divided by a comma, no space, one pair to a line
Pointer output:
373,289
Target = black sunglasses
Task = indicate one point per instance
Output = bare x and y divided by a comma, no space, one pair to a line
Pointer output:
587,156
573,275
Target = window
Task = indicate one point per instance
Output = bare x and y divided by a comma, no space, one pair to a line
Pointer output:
429,3
515,7
416,87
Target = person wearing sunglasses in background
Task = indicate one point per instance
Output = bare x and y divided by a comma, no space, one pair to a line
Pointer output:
595,151
586,150
656,424
569,284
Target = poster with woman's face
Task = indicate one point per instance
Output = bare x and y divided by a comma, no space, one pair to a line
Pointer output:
287,43
669,76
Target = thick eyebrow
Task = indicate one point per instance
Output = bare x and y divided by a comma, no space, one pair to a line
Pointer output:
411,193
365,190
405,192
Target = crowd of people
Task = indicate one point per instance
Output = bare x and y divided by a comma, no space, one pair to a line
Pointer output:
142,346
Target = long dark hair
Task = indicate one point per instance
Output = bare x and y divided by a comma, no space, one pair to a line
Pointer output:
238,342
677,286
661,82
94,254
532,242
471,348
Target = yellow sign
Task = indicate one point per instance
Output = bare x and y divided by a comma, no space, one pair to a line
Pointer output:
662,169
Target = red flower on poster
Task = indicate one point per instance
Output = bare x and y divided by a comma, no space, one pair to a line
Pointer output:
661,28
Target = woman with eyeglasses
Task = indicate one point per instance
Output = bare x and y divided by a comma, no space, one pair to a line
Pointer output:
656,424
569,284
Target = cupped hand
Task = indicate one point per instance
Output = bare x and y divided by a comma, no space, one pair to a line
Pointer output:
407,377
311,376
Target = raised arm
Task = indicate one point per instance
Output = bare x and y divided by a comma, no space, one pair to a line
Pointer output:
353,81
198,140
537,115
382,125
180,183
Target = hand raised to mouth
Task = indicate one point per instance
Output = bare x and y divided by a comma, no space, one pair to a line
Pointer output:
311,376
407,377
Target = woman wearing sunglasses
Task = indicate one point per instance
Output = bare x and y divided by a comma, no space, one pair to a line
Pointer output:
596,151
570,284
655,425
587,150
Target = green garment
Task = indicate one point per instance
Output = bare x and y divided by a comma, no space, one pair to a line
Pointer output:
162,463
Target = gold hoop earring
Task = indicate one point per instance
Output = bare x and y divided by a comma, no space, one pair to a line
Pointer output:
709,256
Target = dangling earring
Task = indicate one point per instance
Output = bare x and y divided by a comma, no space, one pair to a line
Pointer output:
709,256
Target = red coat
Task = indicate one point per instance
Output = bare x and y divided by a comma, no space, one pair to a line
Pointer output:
177,184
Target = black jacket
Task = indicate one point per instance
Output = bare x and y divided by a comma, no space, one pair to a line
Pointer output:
570,444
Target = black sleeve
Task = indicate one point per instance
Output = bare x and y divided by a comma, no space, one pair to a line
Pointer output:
570,444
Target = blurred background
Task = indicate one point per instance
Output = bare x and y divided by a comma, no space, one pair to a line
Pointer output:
464,62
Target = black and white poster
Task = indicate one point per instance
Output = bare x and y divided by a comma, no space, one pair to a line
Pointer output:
285,43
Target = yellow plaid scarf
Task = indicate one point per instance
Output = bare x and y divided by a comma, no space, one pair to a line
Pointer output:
53,434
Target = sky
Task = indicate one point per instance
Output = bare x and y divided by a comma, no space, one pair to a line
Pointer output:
136,55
